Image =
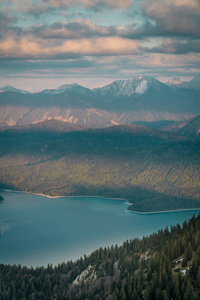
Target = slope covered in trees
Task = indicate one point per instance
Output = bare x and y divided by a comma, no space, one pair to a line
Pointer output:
153,170
190,128
165,265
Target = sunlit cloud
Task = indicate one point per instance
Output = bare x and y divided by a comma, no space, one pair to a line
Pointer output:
38,48
89,3
99,39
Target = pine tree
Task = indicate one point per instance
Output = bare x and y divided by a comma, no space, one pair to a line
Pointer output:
189,252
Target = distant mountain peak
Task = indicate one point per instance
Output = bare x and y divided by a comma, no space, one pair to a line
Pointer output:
67,86
9,88
174,81
196,79
125,87
176,78
144,77
138,85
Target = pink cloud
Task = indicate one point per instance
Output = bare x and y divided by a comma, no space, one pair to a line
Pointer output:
36,48
93,3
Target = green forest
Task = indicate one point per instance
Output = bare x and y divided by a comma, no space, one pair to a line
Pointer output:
153,170
165,265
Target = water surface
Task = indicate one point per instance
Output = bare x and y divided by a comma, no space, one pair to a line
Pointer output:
37,230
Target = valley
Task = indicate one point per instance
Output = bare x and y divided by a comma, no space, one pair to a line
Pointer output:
134,139
99,150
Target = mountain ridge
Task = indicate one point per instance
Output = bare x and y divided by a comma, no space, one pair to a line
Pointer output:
141,99
9,88
131,83
47,125
190,128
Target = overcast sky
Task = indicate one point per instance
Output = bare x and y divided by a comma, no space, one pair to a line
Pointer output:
46,43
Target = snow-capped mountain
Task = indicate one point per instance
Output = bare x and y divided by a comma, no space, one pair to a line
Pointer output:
9,88
174,81
60,89
193,84
135,86
121,102
72,88
67,86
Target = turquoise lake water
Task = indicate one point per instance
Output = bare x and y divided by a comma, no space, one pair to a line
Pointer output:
37,230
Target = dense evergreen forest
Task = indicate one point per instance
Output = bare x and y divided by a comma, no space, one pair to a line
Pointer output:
153,170
165,265
1,198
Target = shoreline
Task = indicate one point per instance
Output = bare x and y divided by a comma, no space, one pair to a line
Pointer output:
48,196
162,211
121,199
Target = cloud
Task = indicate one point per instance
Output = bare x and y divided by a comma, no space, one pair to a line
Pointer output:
6,22
94,4
115,67
171,27
162,61
174,18
57,37
77,29
37,48
175,46
180,18
41,6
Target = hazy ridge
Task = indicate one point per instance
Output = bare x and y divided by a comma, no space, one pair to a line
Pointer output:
121,102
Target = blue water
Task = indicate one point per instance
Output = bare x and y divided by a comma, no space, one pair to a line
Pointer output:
37,230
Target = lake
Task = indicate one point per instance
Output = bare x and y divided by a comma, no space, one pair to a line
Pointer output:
37,230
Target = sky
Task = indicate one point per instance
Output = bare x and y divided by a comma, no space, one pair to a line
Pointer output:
47,43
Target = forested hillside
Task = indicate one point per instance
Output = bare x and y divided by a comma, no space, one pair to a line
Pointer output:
165,265
153,170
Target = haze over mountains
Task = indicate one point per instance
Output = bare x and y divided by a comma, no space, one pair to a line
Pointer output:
121,102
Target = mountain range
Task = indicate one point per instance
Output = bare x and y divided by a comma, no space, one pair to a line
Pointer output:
193,84
61,142
121,102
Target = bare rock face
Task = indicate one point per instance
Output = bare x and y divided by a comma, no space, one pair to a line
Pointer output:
121,102
87,275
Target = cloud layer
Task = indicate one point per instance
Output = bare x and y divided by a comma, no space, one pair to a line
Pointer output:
119,37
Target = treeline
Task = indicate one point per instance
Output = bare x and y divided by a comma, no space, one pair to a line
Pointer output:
165,265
